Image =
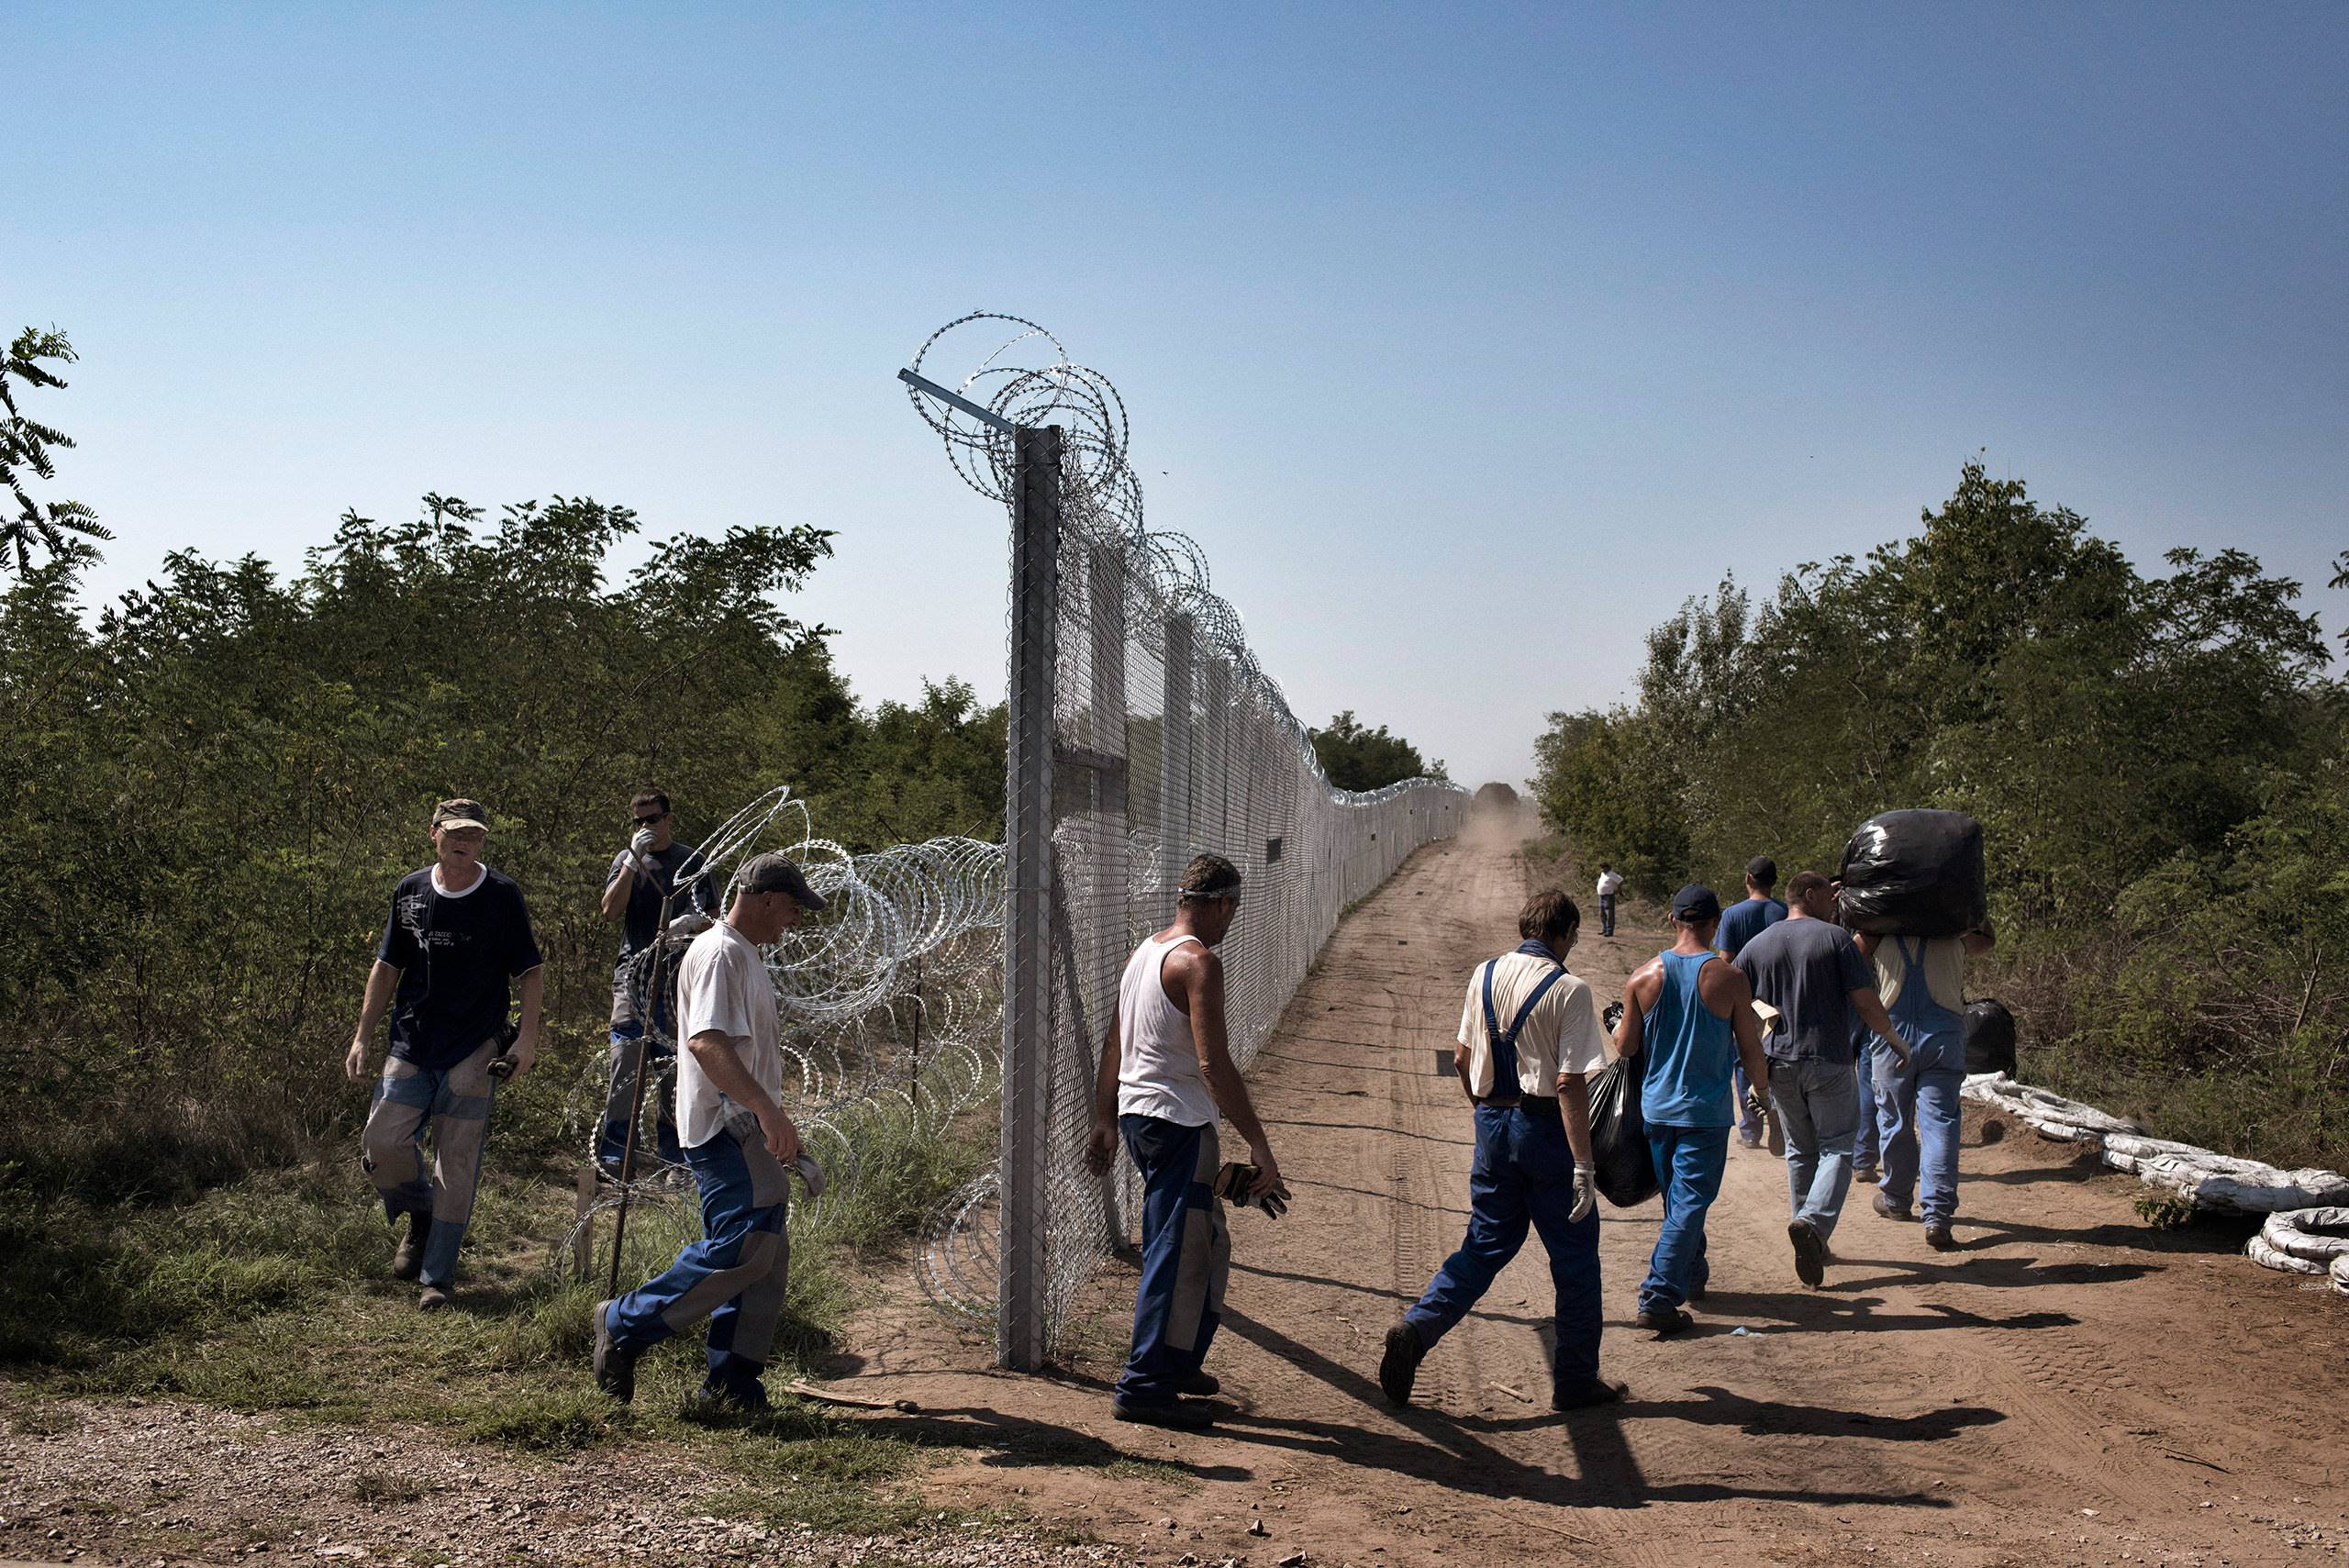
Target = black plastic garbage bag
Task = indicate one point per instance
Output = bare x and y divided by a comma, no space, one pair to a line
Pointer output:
1916,874
1989,1037
1619,1134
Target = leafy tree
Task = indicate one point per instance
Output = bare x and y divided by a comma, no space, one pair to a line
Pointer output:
24,445
1357,757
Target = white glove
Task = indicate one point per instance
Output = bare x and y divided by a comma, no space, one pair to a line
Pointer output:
687,926
1586,1195
638,847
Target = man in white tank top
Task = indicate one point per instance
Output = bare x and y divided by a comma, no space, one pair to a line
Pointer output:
1165,1073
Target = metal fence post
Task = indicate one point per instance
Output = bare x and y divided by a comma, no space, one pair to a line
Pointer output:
1112,795
1020,1327
1174,829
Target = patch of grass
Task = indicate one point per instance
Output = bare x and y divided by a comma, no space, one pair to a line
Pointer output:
2166,1211
27,1415
1152,1472
550,1423
382,1488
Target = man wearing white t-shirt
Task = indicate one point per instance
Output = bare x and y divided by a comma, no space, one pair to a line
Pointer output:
1528,1035
740,1146
1611,883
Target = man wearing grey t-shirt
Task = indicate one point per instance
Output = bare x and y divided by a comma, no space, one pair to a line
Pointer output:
1808,970
739,1144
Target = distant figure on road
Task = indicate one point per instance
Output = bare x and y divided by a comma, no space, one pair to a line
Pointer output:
1809,970
458,935
1533,1162
1740,923
1693,1011
1611,883
1921,980
1165,1073
741,1145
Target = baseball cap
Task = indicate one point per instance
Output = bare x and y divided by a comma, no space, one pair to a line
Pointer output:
1696,903
461,813
1762,870
771,872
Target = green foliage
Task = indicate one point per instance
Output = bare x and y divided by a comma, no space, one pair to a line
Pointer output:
558,1421
2165,746
24,445
1357,757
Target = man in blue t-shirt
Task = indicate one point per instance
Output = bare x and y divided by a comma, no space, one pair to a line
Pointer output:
653,870
457,935
1809,972
1740,923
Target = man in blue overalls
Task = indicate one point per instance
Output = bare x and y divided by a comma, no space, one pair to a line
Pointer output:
1921,980
1534,1157
1693,1010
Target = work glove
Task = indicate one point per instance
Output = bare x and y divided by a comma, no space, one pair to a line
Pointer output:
1231,1184
1586,1195
1757,1101
687,926
639,849
811,1174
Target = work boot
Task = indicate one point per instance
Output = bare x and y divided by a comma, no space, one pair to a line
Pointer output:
407,1258
1864,1175
1938,1237
1583,1392
615,1363
1664,1321
1201,1386
1183,1414
433,1298
1811,1252
1399,1367
1891,1210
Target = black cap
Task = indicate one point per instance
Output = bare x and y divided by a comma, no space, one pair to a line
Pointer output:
1696,903
771,872
1761,871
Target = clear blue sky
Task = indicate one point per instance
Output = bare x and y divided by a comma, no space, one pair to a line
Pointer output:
1467,340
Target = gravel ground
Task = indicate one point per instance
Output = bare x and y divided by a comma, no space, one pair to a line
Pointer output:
151,1483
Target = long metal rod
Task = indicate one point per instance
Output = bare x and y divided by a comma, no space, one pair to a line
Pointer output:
984,416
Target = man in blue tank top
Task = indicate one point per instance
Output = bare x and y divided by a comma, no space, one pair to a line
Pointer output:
1693,1011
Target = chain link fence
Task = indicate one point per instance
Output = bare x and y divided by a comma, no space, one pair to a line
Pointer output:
1142,731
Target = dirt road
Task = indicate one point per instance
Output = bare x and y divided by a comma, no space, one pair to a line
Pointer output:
2068,1386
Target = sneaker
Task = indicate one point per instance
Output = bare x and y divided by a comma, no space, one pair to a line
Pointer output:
1399,1367
1938,1237
1663,1320
1581,1395
1201,1386
433,1298
615,1364
1891,1210
1811,1252
1183,1414
407,1258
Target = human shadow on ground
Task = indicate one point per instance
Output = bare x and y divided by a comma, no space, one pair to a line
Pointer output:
1445,1451
1987,1269
1400,1298
2205,1236
1840,1311
1773,1418
1005,1440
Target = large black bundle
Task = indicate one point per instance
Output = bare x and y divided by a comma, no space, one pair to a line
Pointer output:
1916,874
1618,1133
1989,1037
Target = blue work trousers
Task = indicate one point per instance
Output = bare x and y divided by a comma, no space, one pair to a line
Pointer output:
611,1143
1606,914
1688,1164
1185,1257
1819,1105
736,1274
1917,1115
1866,1140
1523,1176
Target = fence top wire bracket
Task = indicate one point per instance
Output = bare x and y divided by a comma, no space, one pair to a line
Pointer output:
987,417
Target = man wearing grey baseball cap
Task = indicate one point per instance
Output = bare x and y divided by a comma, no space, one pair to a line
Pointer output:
740,1146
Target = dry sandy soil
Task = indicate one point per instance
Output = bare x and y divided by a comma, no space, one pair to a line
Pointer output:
2069,1386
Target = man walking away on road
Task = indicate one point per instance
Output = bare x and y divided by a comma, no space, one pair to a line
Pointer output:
643,874
458,934
1809,970
1528,1035
1757,913
1693,1011
1165,1072
1611,883
740,1145
1921,980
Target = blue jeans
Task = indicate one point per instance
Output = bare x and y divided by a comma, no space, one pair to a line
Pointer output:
1867,1139
1606,914
1917,1113
1523,1174
735,1275
1819,1105
611,1141
1688,1164
453,1102
1185,1257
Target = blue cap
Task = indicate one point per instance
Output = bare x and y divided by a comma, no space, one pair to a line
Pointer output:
1696,903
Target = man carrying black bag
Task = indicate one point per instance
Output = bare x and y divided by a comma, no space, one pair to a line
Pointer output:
1528,1038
